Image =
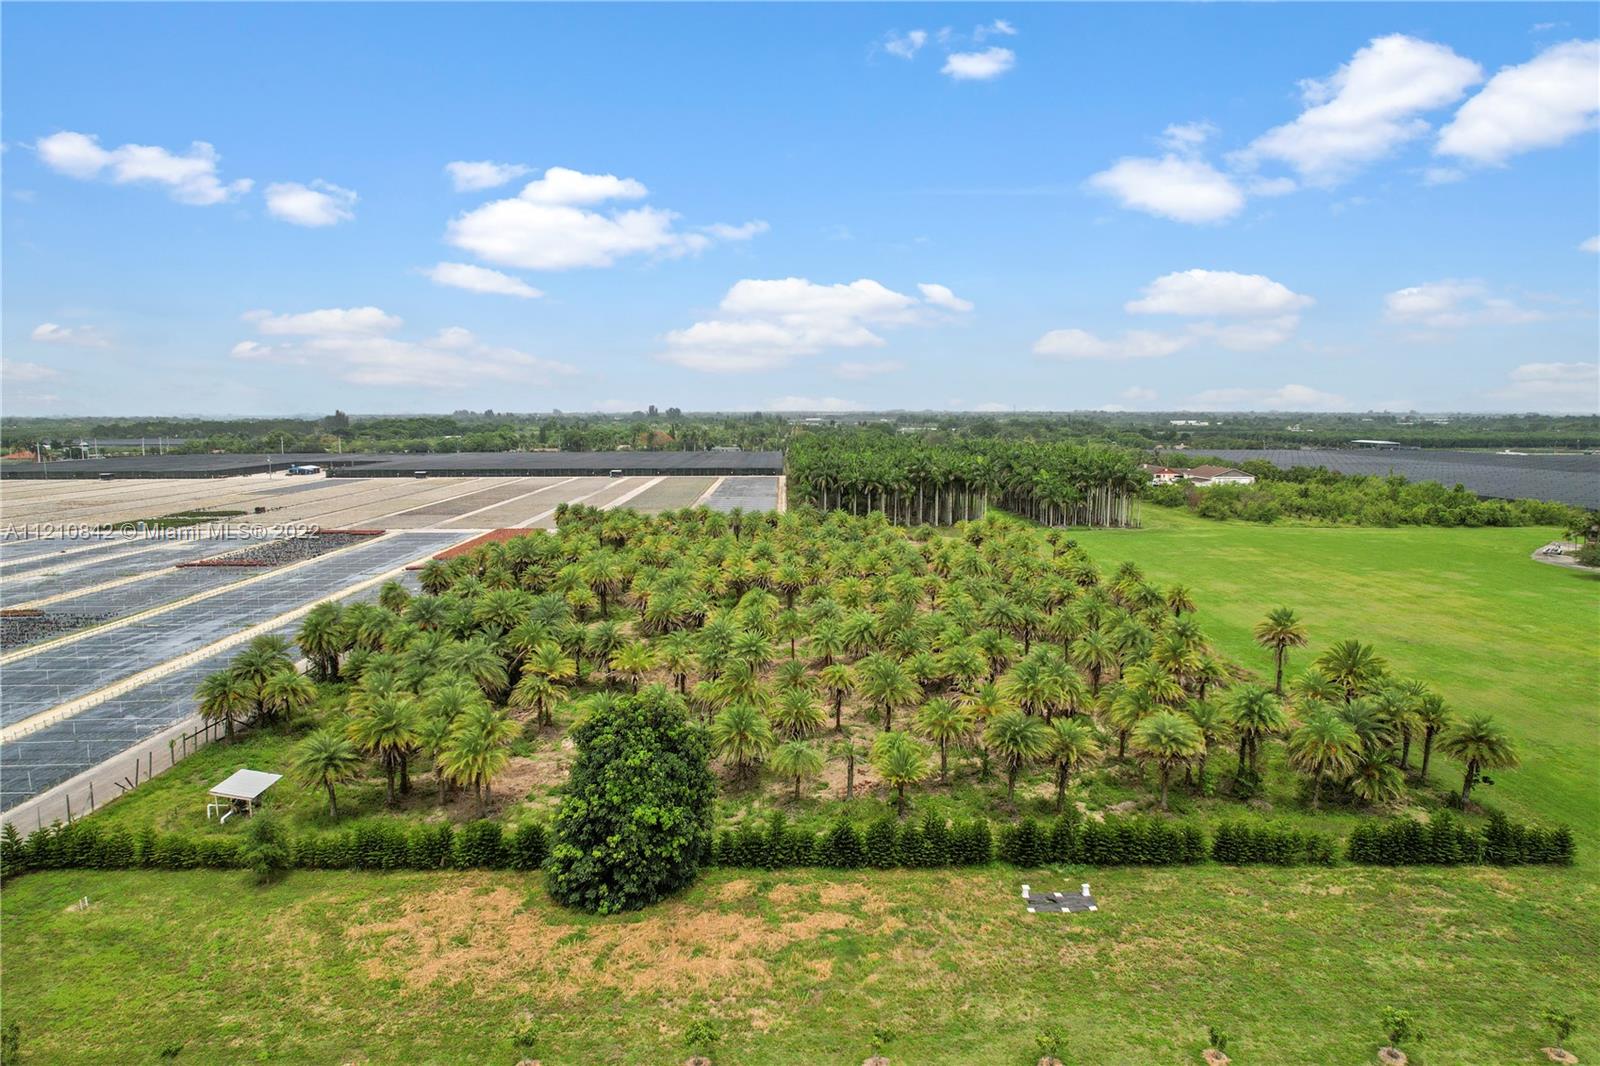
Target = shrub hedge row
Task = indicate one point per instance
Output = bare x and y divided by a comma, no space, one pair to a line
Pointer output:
776,844
1447,842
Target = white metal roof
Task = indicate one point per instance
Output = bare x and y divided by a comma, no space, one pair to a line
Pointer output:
246,784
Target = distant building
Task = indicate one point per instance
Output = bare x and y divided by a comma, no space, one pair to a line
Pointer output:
1161,475
1187,422
1203,476
1380,444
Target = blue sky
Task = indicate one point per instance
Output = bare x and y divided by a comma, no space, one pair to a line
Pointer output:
1144,206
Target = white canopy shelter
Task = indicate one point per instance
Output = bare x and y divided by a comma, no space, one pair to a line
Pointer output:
242,790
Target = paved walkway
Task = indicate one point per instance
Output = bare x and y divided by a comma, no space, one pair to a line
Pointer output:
1565,560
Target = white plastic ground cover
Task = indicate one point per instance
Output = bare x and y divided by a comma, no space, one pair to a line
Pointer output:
39,761
19,555
745,493
55,675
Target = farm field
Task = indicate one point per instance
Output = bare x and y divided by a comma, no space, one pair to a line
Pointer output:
805,965
797,966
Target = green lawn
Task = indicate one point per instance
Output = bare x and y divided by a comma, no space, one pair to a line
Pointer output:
800,966
1465,609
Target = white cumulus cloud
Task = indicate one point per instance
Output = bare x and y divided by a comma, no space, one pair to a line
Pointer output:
190,177
1554,387
1217,292
767,323
480,279
557,223
1075,344
21,373
76,336
1178,187
979,66
1549,99
358,345
1453,304
1590,245
941,296
905,45
1366,109
1285,398
482,174
321,203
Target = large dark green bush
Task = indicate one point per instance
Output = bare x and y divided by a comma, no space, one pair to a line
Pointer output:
635,821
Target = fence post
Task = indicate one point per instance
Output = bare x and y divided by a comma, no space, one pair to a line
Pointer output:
135,771
172,752
68,797
91,795
149,764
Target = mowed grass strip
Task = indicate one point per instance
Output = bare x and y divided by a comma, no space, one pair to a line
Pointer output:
795,966
1466,610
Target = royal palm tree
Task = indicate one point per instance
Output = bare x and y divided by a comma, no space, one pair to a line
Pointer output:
1017,738
798,760
1169,740
1280,631
1482,744
1326,746
945,723
324,759
1073,742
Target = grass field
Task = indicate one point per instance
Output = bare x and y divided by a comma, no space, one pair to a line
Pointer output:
801,966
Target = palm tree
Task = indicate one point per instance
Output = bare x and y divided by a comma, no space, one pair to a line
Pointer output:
1353,666
1435,717
1325,746
1073,742
900,761
632,661
477,659
1017,738
433,736
838,681
677,658
324,759
537,693
323,638
884,681
741,734
1481,743
1213,724
944,723
1169,740
1095,653
1280,631
1256,715
386,727
1179,600
479,748
1376,779
288,693
225,696
798,760
797,714
845,747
